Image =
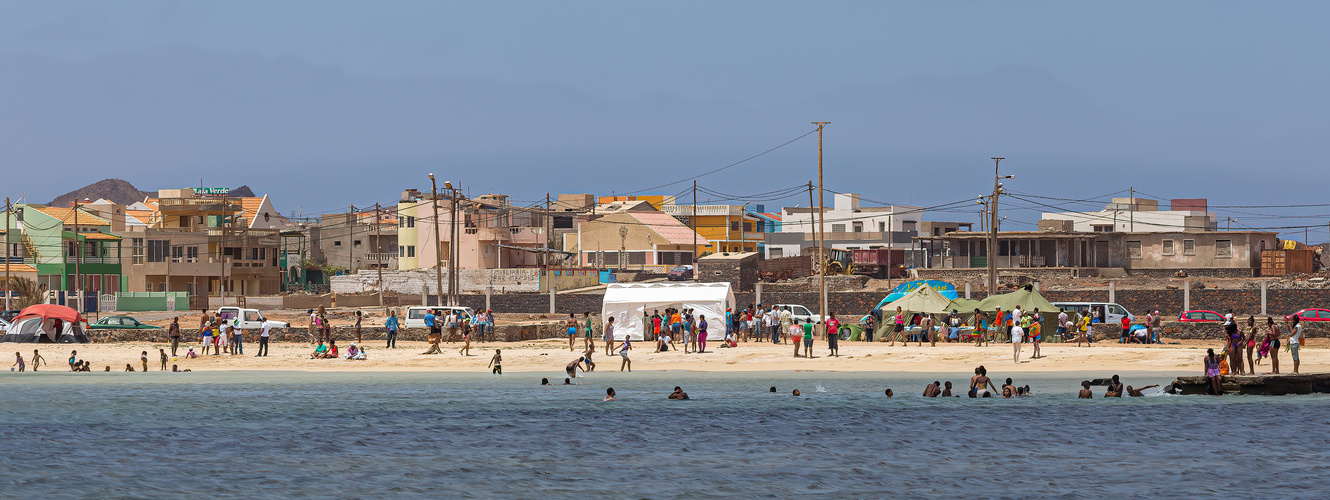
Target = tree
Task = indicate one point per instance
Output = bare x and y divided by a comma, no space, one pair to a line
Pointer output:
28,291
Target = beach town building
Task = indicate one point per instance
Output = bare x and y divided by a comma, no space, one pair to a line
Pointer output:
848,226
727,228
204,243
1142,215
365,239
71,248
628,234
492,234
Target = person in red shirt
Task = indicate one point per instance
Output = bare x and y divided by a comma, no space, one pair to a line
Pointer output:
833,334
1126,329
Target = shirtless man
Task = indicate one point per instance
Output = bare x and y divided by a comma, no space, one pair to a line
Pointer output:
932,390
571,369
1136,393
1114,388
1008,390
979,382
946,391
678,394
1085,391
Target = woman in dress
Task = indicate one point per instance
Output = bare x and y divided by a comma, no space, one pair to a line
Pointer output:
1212,372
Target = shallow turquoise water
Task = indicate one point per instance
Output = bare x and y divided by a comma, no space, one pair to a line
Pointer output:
316,435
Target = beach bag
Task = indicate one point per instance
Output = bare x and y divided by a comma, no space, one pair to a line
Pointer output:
1223,366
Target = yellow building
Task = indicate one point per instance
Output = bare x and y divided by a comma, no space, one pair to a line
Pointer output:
726,227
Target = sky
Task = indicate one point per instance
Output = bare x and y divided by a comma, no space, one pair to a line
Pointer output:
325,104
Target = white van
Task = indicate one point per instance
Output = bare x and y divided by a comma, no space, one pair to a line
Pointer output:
1107,312
801,313
249,318
415,315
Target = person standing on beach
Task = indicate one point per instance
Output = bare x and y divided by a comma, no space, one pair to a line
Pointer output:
623,353
466,344
701,333
833,334
1235,345
144,359
899,320
609,336
1212,372
37,360
807,337
265,329
174,332
1017,334
238,340
1294,342
796,333
496,362
163,357
359,316
391,325
786,319
570,328
926,328
1272,338
313,326
587,332
325,328
1250,341
207,337
19,362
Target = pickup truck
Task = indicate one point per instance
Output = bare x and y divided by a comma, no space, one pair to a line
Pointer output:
249,318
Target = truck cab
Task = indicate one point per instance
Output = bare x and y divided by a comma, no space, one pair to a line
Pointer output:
249,318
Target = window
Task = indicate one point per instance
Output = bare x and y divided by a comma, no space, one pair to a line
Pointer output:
1101,228
1167,247
410,250
748,227
1188,247
775,252
1223,249
337,243
177,253
838,228
858,226
401,251
410,221
157,250
1134,249
734,225
563,222
192,253
355,243
881,227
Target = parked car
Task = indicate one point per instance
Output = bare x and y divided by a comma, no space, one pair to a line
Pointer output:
249,318
1201,317
1311,314
1109,312
4,326
415,315
680,273
9,315
801,313
121,323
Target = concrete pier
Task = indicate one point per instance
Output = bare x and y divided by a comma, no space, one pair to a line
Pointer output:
1258,385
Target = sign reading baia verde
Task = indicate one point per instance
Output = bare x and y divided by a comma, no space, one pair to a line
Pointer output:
212,191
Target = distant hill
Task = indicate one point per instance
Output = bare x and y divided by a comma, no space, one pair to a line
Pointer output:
116,190
122,192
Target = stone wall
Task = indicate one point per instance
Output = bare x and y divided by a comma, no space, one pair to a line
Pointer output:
1170,302
1177,330
506,333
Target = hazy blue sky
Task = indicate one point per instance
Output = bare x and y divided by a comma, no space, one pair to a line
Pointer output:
327,103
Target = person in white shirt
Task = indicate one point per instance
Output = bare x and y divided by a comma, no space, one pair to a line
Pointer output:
265,330
1017,334
786,319
1062,323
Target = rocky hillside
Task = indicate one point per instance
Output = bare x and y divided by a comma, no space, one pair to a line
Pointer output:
116,190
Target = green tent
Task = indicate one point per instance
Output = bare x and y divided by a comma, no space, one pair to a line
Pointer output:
921,300
1028,298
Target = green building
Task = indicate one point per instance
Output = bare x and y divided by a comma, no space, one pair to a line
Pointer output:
67,246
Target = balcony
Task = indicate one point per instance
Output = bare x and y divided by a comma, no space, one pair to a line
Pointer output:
69,259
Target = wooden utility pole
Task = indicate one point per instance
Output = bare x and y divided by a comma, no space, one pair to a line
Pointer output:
78,259
221,250
993,229
549,229
1131,216
692,224
8,228
350,239
378,240
438,245
821,228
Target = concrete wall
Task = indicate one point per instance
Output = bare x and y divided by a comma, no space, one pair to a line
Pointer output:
371,335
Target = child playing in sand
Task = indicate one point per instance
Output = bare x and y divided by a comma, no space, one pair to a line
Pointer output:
37,360
191,354
128,368
144,358
496,363
19,362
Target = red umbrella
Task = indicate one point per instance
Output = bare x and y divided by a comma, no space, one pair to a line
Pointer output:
51,311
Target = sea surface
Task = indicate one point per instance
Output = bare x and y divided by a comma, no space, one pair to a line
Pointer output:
440,435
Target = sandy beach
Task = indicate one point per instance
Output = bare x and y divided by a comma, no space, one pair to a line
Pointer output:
552,355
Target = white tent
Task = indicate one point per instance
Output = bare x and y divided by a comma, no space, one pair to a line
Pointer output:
628,302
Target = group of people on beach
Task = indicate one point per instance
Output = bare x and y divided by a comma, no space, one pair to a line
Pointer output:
1263,341
1114,389
460,328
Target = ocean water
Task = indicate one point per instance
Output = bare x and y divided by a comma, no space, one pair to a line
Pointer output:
316,435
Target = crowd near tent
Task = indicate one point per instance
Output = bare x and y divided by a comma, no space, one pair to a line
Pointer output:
630,303
921,300
47,323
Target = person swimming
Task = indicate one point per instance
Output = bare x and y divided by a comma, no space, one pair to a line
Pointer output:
933,390
979,383
796,392
678,394
773,389
1085,391
609,394
946,392
1136,393
544,381
889,393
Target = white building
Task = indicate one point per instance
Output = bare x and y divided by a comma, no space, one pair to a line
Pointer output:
1141,215
846,216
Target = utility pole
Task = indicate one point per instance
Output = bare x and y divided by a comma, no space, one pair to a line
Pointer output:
8,228
1131,216
453,251
78,259
992,228
350,239
692,224
438,245
821,228
549,228
378,240
221,251
743,238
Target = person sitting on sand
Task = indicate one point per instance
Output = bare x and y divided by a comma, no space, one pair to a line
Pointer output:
332,349
678,393
932,390
946,391
320,351
1085,391
191,354
609,394
359,355
1136,393
128,367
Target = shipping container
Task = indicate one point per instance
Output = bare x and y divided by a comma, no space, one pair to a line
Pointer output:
1283,262
880,263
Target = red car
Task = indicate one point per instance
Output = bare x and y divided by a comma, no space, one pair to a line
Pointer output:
1312,314
1200,317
